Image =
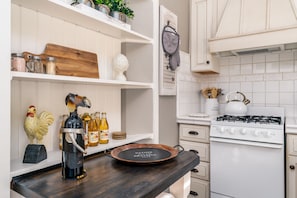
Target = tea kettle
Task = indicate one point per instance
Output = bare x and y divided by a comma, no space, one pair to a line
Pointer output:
236,106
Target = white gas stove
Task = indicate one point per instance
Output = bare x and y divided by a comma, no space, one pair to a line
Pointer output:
255,143
262,124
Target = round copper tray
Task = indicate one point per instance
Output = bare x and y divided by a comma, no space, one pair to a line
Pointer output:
144,153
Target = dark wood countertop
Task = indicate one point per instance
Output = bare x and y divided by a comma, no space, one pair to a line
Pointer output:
107,177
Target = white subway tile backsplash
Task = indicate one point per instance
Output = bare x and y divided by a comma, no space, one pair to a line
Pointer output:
237,78
272,86
258,77
286,98
258,98
258,87
223,79
224,61
273,57
286,66
259,58
259,68
265,79
276,77
246,87
234,60
285,56
289,76
286,86
272,67
246,69
224,70
234,70
234,87
246,60
272,98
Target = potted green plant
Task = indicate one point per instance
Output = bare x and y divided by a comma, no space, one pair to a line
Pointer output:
102,6
120,10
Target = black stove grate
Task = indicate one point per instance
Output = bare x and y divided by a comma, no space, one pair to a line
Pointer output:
251,119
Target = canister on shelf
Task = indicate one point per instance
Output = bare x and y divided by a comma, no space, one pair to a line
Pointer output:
18,62
51,65
30,63
38,66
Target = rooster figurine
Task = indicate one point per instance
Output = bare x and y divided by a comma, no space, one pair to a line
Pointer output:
37,126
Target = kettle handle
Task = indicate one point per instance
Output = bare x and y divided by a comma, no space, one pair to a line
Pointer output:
237,92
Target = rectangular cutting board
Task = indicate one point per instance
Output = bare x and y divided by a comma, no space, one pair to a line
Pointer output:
71,62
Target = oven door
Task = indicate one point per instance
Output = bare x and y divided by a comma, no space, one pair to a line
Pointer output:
244,169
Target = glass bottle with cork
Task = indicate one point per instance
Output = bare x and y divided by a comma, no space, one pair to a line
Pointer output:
93,132
104,129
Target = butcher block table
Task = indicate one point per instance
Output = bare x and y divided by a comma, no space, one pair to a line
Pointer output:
107,178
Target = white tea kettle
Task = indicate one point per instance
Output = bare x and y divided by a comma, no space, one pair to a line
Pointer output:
236,106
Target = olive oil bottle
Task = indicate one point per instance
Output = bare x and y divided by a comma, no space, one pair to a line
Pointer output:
104,129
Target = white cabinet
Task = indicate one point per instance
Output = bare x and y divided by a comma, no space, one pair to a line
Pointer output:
291,166
196,138
200,31
131,106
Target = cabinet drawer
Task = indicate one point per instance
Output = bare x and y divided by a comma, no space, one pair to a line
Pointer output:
292,144
201,171
199,189
194,132
202,149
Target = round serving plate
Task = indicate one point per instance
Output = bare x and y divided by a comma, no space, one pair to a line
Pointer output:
144,153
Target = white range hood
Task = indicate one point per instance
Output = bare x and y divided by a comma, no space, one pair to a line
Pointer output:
253,26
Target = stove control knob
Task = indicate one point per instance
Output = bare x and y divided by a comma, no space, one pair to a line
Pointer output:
269,134
243,132
222,129
257,133
231,131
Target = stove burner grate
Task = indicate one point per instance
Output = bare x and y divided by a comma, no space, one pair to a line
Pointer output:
251,119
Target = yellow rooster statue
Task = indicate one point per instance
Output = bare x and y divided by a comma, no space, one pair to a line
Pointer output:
37,126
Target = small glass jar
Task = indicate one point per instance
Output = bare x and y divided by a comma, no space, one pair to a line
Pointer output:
51,65
38,66
18,62
30,63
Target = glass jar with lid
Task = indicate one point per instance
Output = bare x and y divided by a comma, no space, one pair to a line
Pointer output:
51,65
30,63
38,66
18,62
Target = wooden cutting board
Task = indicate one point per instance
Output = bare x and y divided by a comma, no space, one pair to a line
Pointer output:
71,62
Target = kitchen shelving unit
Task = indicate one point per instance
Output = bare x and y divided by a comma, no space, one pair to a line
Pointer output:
132,105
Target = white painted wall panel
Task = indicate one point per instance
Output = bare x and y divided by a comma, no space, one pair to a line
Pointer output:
30,32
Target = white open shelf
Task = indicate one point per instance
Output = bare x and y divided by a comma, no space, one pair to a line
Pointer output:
78,80
84,18
17,167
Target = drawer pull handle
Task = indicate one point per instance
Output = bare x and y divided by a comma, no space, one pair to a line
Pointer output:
193,133
193,193
195,170
194,151
292,167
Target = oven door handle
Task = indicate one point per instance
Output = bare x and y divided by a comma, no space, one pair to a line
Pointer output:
260,144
